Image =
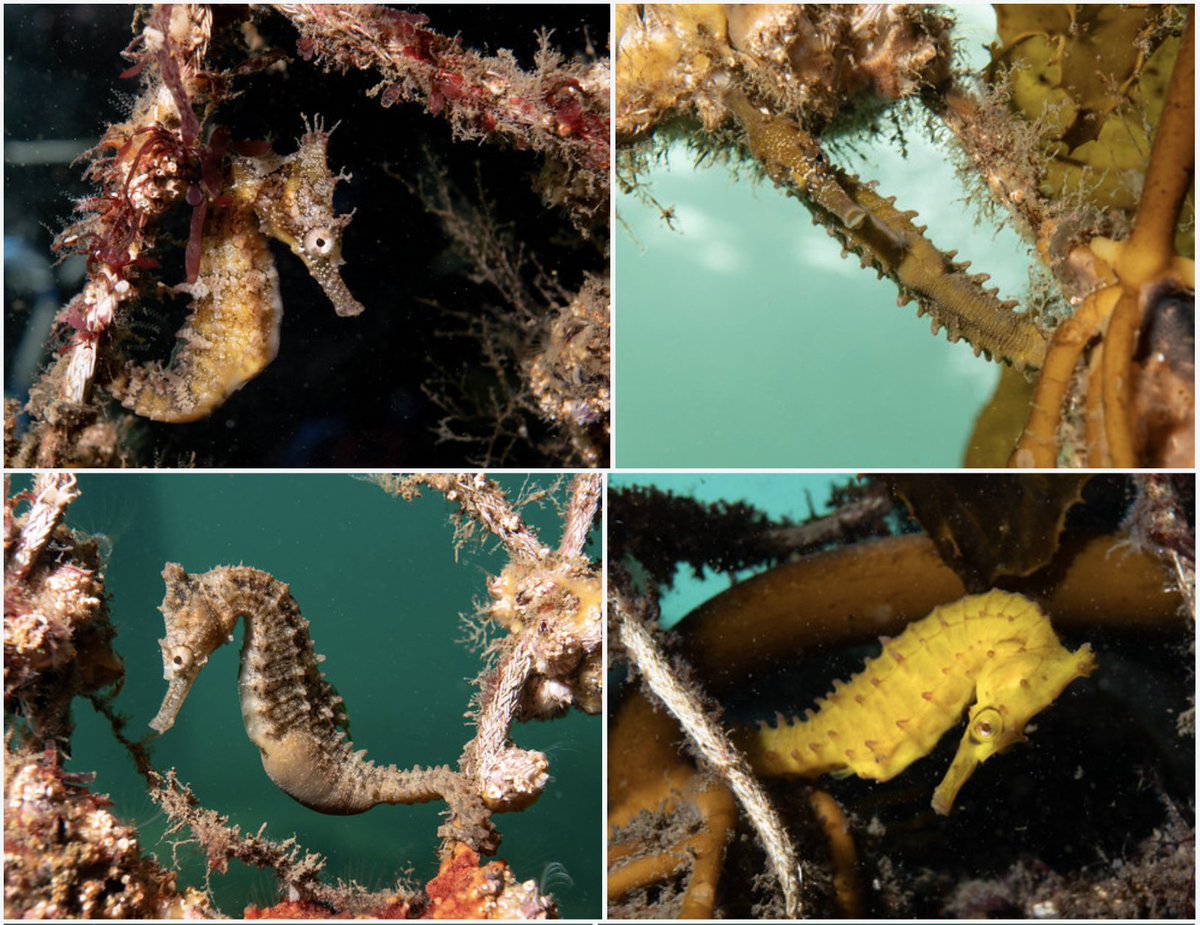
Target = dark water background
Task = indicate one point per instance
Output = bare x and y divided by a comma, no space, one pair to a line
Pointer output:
380,582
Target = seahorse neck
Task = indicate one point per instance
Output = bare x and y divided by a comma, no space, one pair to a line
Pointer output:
272,616
279,682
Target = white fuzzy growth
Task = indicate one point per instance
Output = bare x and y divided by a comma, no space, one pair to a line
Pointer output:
81,367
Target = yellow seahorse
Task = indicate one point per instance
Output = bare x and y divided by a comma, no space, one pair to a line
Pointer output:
997,648
232,334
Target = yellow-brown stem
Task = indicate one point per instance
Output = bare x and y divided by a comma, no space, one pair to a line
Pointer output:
621,852
1120,342
1169,175
1097,442
643,872
1038,446
648,773
704,852
847,883
1149,253
719,811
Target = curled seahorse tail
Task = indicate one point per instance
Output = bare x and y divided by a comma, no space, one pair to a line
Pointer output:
365,784
191,388
164,393
231,335
415,786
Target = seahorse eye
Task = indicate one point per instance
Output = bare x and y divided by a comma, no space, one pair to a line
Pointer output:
181,657
987,725
318,241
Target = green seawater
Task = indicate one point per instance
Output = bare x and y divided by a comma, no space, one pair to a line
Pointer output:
745,340
382,585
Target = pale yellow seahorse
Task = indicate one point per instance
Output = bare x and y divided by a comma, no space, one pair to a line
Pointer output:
232,333
995,652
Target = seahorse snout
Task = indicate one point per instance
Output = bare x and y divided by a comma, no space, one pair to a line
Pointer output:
177,692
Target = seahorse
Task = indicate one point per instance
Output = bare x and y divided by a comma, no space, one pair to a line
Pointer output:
232,333
290,711
997,649
886,239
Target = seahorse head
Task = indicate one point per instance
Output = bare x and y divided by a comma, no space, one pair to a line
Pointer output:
297,209
194,631
1011,689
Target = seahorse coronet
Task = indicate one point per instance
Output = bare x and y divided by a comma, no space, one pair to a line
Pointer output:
290,711
995,653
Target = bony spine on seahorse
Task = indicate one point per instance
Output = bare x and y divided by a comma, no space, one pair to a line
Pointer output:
887,239
290,711
232,334
995,652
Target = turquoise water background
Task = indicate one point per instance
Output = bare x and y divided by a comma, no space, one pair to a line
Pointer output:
745,340
382,586
776,495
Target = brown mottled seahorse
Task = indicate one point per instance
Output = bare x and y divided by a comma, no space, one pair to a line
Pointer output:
290,711
232,333
886,239
995,649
